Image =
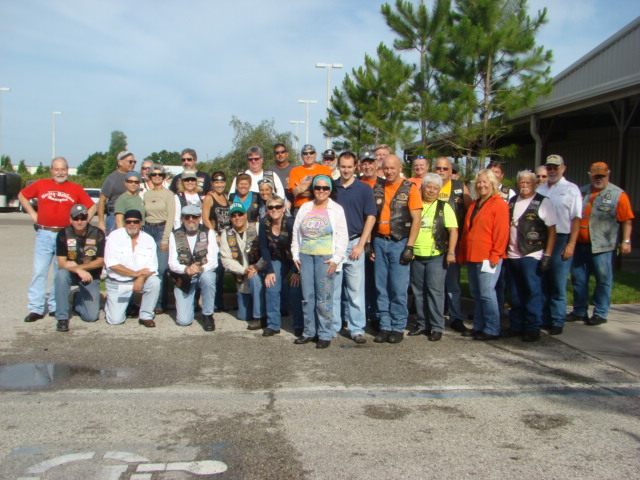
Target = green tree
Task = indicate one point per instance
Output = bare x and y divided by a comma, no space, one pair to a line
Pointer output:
427,34
165,158
499,69
22,168
40,170
118,144
370,106
5,163
93,166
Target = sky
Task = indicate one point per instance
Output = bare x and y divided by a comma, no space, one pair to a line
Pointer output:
171,74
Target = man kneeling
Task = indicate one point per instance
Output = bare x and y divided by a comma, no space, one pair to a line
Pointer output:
80,252
193,259
132,266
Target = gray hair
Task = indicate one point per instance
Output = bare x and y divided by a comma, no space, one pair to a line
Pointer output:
60,159
256,150
526,173
155,166
432,178
276,199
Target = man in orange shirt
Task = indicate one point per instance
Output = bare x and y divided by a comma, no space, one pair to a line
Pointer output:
300,178
605,207
399,205
420,168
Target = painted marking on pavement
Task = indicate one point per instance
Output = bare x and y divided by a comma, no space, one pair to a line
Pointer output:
140,476
112,472
56,462
125,457
204,467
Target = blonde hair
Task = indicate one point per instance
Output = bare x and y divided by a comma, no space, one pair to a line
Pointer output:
493,180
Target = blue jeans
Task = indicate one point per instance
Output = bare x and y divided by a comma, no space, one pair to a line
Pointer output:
206,282
486,317
453,291
251,305
348,294
554,284
119,294
392,282
317,296
219,302
600,265
86,300
44,253
273,297
427,283
163,264
109,223
526,295
370,290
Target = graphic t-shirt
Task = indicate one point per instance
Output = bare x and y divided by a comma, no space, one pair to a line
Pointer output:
55,200
316,233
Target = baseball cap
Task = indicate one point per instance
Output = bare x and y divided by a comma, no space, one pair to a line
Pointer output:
368,157
124,154
78,209
133,214
188,174
329,154
236,207
129,175
599,168
191,210
309,148
554,160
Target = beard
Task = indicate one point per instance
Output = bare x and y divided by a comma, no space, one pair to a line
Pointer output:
191,227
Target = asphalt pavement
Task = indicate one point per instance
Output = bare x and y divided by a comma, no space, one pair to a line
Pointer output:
126,402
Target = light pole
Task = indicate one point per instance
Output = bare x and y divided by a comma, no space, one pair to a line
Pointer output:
297,124
328,66
53,133
2,89
307,118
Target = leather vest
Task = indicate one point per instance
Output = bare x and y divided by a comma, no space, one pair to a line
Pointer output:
251,249
89,249
183,199
185,255
603,221
532,231
400,215
504,193
219,214
283,244
456,200
253,214
440,233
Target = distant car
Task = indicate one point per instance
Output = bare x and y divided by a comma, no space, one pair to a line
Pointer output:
94,193
32,201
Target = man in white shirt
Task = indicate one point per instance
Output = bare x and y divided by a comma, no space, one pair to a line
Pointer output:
132,266
193,259
567,201
255,159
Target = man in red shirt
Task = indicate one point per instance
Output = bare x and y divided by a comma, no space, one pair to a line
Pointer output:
55,197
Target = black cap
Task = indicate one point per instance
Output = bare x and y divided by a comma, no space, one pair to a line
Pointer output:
133,214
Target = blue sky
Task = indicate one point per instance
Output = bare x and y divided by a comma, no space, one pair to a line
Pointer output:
170,74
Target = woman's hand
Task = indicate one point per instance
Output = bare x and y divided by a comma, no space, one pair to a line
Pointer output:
331,269
295,280
270,280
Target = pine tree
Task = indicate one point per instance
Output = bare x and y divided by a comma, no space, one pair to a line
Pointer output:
118,144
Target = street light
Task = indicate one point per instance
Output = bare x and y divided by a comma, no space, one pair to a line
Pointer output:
297,124
307,118
328,66
2,89
53,133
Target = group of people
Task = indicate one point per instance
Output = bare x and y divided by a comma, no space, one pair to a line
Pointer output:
338,244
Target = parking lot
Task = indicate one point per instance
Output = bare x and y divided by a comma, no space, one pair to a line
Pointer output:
126,402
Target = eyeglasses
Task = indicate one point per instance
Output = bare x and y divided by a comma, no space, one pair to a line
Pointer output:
237,214
441,169
186,159
79,218
254,159
541,176
308,153
552,167
279,152
276,207
322,188
157,175
132,222
191,217
133,181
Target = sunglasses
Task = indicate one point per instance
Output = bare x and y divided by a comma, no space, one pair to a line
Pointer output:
133,181
599,177
279,152
308,153
79,218
189,179
322,188
441,169
254,159
157,175
144,168
275,207
552,167
132,222
541,176
237,214
191,217
132,162
186,159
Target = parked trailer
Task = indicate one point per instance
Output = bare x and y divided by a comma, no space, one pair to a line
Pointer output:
10,185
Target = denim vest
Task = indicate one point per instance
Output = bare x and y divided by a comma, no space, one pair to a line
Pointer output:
603,222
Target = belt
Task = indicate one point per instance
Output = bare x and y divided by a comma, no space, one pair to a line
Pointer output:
387,238
159,224
49,229
119,281
353,237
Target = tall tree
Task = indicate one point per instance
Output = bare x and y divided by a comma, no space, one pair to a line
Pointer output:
5,163
22,168
370,107
427,34
93,166
118,144
164,157
499,66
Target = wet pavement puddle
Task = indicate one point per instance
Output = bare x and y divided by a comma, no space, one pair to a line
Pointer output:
28,376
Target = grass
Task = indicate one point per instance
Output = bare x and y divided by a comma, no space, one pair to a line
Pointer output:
626,287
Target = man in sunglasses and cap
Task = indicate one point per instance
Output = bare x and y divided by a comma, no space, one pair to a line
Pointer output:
80,252
193,259
112,187
132,266
605,208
